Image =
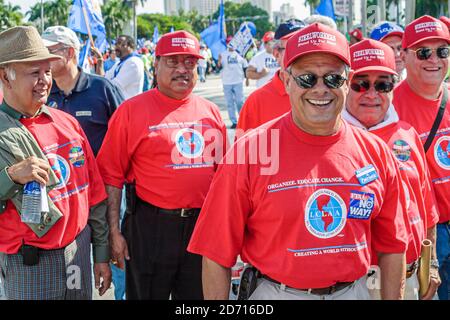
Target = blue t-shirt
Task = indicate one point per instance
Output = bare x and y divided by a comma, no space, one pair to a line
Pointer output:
92,102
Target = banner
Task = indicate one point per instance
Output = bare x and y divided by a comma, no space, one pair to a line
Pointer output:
243,39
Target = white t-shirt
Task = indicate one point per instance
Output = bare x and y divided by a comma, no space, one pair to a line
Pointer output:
203,62
232,67
130,76
264,60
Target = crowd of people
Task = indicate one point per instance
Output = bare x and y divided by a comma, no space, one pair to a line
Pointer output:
336,180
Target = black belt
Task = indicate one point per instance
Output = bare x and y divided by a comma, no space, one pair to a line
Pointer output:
320,291
184,213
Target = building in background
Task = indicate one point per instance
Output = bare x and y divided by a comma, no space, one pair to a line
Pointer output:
208,7
286,12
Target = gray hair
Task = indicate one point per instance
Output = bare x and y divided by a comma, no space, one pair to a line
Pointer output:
10,72
321,19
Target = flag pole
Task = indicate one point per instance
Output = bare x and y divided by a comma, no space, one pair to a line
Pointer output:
87,24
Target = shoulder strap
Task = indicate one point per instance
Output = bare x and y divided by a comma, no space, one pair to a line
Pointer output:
438,119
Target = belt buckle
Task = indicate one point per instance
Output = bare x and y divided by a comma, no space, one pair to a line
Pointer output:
184,213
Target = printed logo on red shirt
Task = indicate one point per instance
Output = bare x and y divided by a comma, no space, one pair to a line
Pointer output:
60,167
442,152
401,150
190,143
76,157
325,214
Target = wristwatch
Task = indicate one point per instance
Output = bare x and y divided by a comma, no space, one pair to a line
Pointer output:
434,263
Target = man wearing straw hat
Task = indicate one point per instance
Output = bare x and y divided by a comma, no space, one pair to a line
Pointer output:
46,149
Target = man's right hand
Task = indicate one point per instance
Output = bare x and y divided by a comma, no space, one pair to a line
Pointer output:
30,169
119,249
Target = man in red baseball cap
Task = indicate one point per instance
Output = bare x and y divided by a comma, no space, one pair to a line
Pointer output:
356,36
165,143
308,227
263,65
369,106
417,100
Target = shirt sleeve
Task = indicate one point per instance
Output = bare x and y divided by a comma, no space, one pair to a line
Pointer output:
248,112
113,159
219,231
389,228
7,187
115,97
129,73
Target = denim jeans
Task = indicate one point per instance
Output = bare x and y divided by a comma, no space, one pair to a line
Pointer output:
234,95
202,73
443,255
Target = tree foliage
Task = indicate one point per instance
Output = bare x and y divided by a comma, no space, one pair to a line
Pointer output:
115,14
56,13
147,23
10,15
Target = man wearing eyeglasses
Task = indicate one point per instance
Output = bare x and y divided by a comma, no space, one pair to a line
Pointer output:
369,107
168,141
271,100
309,227
91,99
417,100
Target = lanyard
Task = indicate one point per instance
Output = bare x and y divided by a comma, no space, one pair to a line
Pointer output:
120,65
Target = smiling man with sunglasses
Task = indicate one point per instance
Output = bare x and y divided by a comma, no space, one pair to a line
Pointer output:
417,100
309,227
369,106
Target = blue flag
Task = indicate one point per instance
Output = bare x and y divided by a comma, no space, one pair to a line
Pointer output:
172,29
95,21
83,61
215,35
325,8
155,35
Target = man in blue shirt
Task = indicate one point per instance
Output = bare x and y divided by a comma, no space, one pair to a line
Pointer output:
91,99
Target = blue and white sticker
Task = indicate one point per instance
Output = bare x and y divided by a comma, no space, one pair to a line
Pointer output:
366,175
61,169
442,152
361,205
325,214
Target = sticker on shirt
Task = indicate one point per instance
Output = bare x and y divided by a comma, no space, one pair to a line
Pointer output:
60,167
76,157
271,63
401,150
366,175
190,143
325,214
442,152
232,60
361,205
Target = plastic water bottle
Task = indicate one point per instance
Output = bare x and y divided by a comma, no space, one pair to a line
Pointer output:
236,271
31,203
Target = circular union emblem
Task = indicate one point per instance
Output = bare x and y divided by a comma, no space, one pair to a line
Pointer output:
61,169
442,152
401,150
325,214
190,143
76,157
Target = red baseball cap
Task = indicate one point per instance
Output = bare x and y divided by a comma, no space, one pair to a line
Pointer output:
372,55
424,28
445,20
178,42
268,36
357,33
315,38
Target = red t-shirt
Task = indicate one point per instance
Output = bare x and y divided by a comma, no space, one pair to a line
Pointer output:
422,212
68,151
421,113
311,223
267,103
170,147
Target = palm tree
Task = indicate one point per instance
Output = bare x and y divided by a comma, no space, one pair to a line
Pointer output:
313,4
10,15
56,13
115,14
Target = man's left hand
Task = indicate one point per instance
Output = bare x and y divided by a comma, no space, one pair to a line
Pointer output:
102,270
435,282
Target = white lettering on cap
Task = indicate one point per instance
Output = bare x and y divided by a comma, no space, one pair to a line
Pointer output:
183,42
368,55
428,27
316,38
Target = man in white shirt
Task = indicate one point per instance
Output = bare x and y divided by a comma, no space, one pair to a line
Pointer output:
233,74
128,73
263,66
203,63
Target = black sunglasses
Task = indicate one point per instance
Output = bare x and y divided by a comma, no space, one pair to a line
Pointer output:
425,53
364,85
309,80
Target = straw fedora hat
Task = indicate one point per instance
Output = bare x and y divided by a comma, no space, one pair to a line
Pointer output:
23,44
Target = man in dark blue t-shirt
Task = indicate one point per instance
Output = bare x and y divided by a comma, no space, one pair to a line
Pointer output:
91,99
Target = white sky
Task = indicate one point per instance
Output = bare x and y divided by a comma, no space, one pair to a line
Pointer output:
157,6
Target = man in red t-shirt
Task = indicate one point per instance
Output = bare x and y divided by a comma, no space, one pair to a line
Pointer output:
271,100
168,141
45,151
307,223
369,107
417,99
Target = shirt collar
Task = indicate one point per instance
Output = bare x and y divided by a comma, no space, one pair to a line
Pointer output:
82,84
17,115
390,118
